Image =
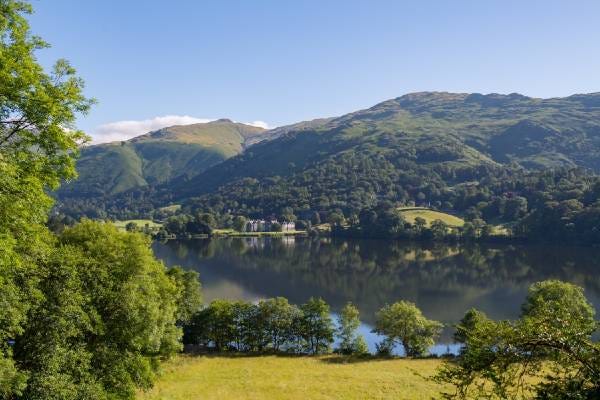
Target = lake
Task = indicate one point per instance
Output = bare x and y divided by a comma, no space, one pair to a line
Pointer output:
443,280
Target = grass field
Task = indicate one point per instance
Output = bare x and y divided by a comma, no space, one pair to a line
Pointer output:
411,213
171,208
294,377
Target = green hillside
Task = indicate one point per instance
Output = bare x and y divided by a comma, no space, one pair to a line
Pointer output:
426,141
531,164
441,132
157,157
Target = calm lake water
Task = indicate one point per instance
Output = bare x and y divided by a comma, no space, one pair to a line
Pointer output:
444,281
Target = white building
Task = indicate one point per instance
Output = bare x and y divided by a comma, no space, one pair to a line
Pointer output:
260,225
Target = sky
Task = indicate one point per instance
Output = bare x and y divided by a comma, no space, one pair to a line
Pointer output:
153,63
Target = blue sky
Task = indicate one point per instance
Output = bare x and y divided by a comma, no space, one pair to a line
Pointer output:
285,61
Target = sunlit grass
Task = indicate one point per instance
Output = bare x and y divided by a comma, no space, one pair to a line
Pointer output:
294,377
411,213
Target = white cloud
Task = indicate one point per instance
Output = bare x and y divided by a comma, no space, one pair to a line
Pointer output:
258,124
123,130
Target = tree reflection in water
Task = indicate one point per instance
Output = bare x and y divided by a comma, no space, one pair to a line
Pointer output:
443,280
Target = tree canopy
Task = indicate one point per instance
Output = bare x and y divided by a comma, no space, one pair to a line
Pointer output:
107,316
403,323
37,148
348,324
87,314
548,353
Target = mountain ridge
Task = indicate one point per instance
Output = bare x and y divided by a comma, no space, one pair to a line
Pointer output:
468,121
157,156
419,148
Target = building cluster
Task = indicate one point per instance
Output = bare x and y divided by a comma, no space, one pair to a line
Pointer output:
260,225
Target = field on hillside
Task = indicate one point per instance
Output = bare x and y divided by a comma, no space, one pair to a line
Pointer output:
294,377
411,213
172,208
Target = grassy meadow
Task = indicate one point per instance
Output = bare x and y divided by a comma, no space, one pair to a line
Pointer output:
233,377
412,213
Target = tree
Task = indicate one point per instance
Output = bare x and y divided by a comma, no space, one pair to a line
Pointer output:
515,208
390,222
367,218
469,230
348,323
470,320
224,221
486,230
548,353
439,229
246,327
315,218
176,224
271,324
189,295
52,347
403,323
221,323
277,317
336,218
287,214
207,219
303,225
554,302
106,318
316,326
239,223
38,142
131,227
199,225
420,224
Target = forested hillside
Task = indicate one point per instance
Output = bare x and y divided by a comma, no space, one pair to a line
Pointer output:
448,134
497,158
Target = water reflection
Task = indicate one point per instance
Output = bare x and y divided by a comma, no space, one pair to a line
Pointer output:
444,281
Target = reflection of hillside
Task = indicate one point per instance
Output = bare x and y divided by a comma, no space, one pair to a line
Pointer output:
427,255
443,280
233,289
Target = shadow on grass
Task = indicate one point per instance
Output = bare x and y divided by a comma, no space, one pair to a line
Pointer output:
325,358
342,359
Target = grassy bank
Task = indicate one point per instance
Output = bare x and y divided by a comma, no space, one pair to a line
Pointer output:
294,377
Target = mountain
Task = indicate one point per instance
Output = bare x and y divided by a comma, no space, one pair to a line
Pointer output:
283,130
435,133
495,157
157,157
